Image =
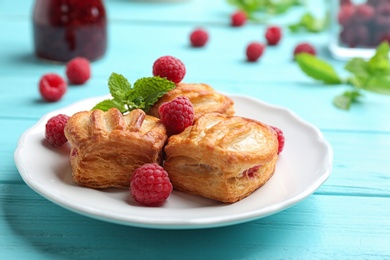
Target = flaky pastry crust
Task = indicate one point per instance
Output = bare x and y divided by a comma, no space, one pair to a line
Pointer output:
222,157
108,146
203,97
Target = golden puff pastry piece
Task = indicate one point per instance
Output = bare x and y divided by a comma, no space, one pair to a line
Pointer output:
221,157
108,146
203,97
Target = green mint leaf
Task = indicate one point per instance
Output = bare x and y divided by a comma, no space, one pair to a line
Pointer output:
379,64
317,69
357,81
379,84
148,90
345,100
105,105
119,86
265,7
357,66
310,23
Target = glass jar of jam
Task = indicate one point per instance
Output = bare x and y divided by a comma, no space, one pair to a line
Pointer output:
358,27
64,29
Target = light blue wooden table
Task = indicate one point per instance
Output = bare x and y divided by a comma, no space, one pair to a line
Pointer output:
346,218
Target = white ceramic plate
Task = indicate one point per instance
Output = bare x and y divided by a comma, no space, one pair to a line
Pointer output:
303,166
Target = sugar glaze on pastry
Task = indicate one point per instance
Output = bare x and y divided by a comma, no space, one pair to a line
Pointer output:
203,97
108,146
221,157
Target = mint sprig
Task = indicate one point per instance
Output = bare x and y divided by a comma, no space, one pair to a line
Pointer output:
267,7
366,75
308,22
318,69
144,93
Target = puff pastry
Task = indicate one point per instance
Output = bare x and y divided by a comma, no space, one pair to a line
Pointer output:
221,157
108,146
203,97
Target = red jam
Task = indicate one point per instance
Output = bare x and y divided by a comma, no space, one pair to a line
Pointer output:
64,29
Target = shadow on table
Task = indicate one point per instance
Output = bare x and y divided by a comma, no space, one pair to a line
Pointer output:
56,232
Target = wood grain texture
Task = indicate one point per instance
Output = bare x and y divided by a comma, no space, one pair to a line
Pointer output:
346,218
319,227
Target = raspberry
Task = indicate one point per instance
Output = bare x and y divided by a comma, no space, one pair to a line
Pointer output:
199,37
52,87
78,70
346,13
273,35
251,172
364,12
281,138
304,47
54,130
150,185
238,18
355,35
177,114
170,68
254,51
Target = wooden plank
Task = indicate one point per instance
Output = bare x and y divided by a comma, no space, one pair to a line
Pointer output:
320,227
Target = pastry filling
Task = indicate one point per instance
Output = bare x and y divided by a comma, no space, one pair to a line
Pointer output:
251,172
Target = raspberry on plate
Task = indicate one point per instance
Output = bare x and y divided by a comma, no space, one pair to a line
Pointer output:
304,47
78,70
54,130
273,35
177,114
254,50
238,18
150,185
281,139
52,87
170,68
199,37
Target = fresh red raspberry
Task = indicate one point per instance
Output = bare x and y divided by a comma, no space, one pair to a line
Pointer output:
281,138
273,35
150,185
382,16
304,47
345,2
238,18
170,68
356,35
199,37
254,50
177,114
54,130
78,70
52,87
364,12
251,172
346,14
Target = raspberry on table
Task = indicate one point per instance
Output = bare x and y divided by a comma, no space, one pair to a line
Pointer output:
54,130
199,37
177,114
150,185
52,87
254,50
281,139
170,68
304,47
273,35
78,70
238,18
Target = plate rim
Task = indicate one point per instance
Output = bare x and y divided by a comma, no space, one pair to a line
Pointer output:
188,224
